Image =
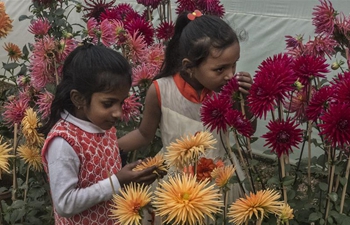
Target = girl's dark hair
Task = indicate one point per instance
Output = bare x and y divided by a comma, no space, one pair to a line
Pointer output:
194,40
88,69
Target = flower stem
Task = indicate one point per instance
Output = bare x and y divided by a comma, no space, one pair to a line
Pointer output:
14,186
309,131
27,181
225,205
330,183
344,187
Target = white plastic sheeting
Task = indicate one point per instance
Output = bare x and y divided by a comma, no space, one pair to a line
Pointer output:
266,23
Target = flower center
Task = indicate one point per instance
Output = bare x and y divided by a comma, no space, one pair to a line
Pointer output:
283,137
186,196
136,208
342,124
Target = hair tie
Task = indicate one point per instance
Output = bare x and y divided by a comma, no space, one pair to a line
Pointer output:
194,15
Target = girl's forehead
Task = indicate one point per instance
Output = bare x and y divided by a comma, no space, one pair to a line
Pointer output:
230,53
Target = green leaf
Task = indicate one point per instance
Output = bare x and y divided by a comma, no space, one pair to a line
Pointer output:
288,180
273,180
343,180
23,17
323,186
253,139
10,66
333,196
59,12
314,216
25,51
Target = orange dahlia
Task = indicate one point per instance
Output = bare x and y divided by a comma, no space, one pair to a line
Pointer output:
13,51
5,21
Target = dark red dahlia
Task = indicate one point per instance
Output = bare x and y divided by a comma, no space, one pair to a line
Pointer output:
341,85
238,122
94,8
119,12
231,90
282,136
45,3
272,82
143,27
185,5
335,124
307,67
318,102
213,112
150,3
165,30
211,7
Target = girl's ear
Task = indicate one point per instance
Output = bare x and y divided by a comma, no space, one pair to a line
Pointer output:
187,66
77,99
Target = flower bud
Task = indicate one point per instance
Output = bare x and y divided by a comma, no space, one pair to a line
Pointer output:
335,66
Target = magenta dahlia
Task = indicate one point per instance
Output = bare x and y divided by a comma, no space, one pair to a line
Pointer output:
282,136
136,47
118,12
185,5
14,110
319,102
237,121
335,125
213,112
44,100
165,30
307,67
94,8
324,17
272,82
231,90
211,7
142,27
321,46
108,36
341,85
150,3
143,74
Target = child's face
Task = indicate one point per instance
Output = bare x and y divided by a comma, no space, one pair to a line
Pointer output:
218,67
106,107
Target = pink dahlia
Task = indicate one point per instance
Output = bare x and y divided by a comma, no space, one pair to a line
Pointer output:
282,136
131,108
141,27
154,56
43,62
118,12
319,102
213,112
44,100
121,35
272,82
165,30
142,75
94,8
307,67
150,3
324,17
231,90
238,122
335,125
298,104
92,29
185,5
294,42
135,47
66,46
14,111
341,31
108,36
39,27
321,46
211,7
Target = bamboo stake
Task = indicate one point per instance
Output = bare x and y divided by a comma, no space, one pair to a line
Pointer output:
344,187
309,131
14,186
330,184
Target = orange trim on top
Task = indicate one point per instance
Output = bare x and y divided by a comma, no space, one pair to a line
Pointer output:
188,91
158,93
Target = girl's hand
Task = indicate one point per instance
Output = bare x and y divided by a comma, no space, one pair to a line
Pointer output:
244,81
127,175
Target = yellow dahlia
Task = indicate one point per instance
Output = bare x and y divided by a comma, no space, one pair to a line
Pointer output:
13,51
260,205
222,175
29,128
285,214
4,155
31,155
183,200
187,150
5,21
157,161
127,206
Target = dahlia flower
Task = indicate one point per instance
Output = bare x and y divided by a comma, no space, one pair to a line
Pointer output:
231,90
94,8
222,175
157,161
143,74
39,27
118,12
187,150
128,205
182,200
136,46
323,17
211,7
5,149
31,155
165,31
142,27
154,56
307,67
204,168
13,51
259,205
238,122
5,21
298,104
285,214
272,82
213,111
319,102
185,5
108,36
44,100
30,125
341,87
282,136
14,111
321,46
150,3
335,124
